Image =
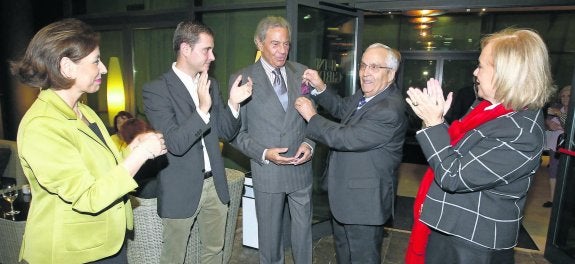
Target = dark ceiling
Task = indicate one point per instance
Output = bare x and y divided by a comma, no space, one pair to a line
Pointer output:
454,5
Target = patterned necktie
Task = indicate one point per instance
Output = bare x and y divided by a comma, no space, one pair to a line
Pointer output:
361,102
280,87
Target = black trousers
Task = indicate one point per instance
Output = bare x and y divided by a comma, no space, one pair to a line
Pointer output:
357,243
448,249
119,258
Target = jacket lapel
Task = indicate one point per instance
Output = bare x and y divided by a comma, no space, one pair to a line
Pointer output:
374,101
53,99
269,94
293,92
178,89
356,97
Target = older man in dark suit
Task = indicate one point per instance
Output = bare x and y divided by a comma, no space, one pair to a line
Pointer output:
366,149
272,136
185,105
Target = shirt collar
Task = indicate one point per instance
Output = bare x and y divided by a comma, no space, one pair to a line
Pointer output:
268,68
186,78
491,107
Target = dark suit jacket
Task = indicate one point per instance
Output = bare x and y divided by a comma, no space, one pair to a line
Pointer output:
266,125
170,109
366,148
481,183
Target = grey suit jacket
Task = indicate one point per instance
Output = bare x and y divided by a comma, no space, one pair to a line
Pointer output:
481,183
170,109
366,149
266,125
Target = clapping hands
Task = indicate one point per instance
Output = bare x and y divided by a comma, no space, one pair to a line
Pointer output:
240,93
429,103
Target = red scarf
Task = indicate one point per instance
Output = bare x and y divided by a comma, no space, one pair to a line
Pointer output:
419,232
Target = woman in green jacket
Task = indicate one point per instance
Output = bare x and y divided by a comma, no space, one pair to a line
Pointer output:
79,180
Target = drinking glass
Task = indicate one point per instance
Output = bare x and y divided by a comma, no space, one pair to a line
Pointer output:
10,193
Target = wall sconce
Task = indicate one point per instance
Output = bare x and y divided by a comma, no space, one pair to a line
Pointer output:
115,90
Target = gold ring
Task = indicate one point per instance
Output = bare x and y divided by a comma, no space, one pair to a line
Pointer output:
414,103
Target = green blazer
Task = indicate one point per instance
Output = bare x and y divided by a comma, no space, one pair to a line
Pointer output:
78,211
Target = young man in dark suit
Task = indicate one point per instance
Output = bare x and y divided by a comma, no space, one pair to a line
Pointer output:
185,104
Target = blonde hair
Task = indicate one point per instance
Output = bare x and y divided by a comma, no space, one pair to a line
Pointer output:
522,75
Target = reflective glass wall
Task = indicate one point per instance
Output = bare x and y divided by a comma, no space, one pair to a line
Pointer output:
446,46
327,42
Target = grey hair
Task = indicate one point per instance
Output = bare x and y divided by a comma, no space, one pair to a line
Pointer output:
393,56
270,22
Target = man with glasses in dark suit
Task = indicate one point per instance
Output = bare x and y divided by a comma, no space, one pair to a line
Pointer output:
366,150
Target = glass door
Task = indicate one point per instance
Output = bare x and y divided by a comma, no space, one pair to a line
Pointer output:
560,245
455,72
327,41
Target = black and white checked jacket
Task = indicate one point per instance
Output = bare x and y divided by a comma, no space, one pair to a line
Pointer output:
481,183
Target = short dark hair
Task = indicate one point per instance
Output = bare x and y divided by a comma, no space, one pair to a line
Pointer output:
121,114
40,65
132,128
189,32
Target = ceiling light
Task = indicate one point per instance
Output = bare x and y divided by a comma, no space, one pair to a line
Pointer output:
423,12
422,20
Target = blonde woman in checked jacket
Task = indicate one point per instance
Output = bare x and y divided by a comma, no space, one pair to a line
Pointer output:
481,166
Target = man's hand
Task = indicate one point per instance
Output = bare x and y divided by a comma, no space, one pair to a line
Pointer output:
305,108
240,93
273,155
311,77
204,98
303,154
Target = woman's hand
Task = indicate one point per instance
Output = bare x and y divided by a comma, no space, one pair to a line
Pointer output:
150,144
145,146
429,103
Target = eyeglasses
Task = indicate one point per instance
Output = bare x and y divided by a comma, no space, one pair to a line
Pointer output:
372,67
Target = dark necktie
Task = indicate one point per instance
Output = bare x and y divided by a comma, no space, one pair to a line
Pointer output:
361,102
280,88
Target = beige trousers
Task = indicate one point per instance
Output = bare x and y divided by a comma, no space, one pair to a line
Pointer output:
211,217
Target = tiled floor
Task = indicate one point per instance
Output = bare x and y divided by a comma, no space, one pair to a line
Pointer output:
536,222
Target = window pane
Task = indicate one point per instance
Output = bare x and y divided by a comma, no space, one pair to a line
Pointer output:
374,28
458,78
153,55
555,29
415,74
234,41
562,66
225,2
457,74
108,6
446,32
326,43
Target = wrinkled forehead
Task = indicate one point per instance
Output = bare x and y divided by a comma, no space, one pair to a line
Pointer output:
374,56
